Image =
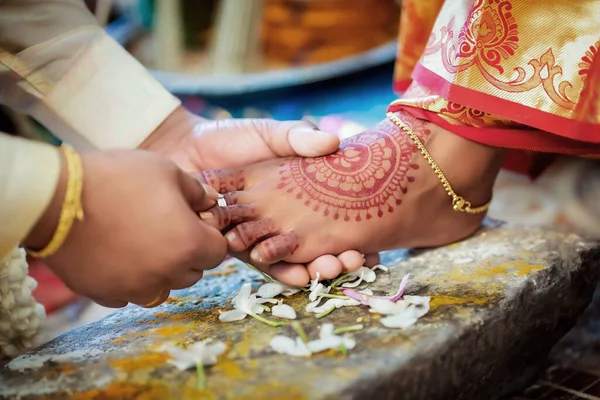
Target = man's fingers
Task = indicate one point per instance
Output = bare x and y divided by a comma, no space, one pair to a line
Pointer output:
246,141
208,247
222,217
110,303
290,138
310,142
199,196
151,298
185,279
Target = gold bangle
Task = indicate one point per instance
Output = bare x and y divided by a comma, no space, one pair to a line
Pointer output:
72,208
458,202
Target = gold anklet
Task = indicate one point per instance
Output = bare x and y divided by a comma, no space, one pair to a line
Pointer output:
71,208
458,202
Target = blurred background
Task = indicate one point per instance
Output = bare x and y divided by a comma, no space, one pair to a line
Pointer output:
329,61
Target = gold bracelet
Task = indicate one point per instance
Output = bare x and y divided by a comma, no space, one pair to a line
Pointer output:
72,208
458,202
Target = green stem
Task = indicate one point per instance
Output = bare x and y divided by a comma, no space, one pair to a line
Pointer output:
334,296
266,308
343,350
300,331
274,324
340,279
200,377
345,329
326,312
267,277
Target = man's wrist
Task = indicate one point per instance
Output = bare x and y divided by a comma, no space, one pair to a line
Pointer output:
170,132
44,229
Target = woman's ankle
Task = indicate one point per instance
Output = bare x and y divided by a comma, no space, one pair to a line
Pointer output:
470,167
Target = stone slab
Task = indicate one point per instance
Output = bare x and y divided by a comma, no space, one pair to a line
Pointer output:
500,300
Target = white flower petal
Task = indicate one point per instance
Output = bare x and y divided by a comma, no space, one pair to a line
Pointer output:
285,345
384,306
270,290
326,330
420,300
284,311
314,282
418,310
366,291
211,352
353,284
337,303
203,352
289,291
349,342
401,320
181,365
381,267
319,290
244,292
329,342
233,315
311,306
369,275
263,301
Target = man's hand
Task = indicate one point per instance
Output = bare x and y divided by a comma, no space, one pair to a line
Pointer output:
141,235
197,144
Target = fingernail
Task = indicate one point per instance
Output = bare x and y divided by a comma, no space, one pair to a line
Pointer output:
231,237
206,215
211,192
255,255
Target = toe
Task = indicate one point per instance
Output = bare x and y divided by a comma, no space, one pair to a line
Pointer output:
246,234
289,274
224,180
275,249
327,266
222,217
351,260
372,259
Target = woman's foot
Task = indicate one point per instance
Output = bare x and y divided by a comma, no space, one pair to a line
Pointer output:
376,193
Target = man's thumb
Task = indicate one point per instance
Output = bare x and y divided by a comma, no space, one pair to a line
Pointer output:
199,196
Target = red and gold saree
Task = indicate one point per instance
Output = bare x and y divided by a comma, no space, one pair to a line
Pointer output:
519,74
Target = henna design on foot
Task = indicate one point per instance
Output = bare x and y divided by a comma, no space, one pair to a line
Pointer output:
275,249
246,234
368,176
224,180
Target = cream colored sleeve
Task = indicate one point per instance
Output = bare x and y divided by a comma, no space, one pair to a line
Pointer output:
60,67
28,176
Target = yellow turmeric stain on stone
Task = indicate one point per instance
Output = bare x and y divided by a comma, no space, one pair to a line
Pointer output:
143,361
244,346
488,271
442,300
230,369
171,330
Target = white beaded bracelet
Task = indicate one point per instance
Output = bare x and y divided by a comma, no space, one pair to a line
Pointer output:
20,314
